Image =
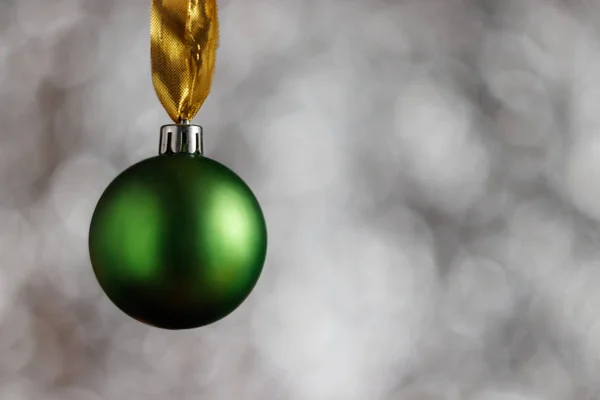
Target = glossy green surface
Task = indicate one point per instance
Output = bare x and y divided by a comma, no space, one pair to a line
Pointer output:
178,241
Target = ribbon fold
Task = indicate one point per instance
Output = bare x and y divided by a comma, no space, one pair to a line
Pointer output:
184,39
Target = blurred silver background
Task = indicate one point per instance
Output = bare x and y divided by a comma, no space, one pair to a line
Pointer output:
429,169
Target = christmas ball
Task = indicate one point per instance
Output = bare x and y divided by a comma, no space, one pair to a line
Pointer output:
178,241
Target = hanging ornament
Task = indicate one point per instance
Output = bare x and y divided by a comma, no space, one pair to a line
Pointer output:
178,241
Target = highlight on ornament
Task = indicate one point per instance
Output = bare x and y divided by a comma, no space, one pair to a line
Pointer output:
178,241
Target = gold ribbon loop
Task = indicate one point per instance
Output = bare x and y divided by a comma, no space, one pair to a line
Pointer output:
184,40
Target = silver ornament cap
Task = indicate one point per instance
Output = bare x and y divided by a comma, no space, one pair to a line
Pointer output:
181,138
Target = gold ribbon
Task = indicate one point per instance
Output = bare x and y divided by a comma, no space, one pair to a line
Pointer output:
184,40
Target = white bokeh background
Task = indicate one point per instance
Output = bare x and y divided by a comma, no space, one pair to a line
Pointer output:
429,169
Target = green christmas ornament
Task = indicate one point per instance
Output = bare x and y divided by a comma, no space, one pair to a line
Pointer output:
178,241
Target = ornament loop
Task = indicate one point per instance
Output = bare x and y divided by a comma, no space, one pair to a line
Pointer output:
181,138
